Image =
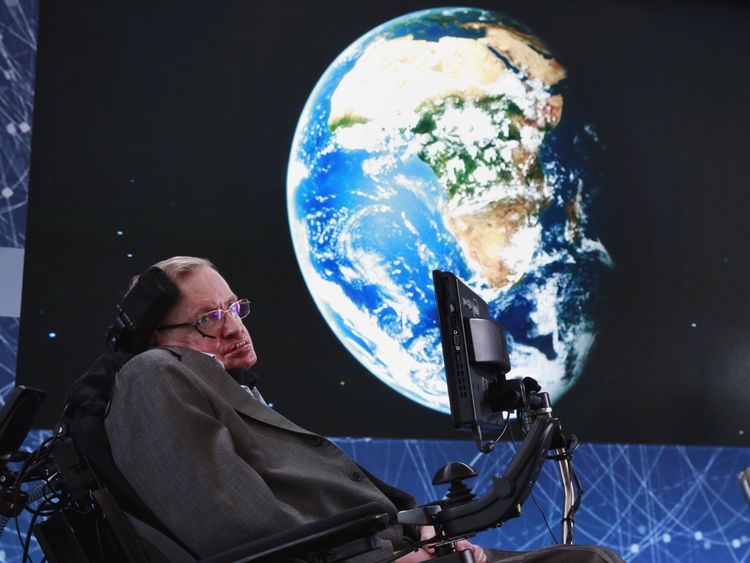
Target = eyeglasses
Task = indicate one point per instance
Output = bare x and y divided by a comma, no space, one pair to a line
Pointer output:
212,322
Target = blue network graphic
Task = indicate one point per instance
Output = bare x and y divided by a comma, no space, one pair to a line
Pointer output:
17,57
648,503
17,54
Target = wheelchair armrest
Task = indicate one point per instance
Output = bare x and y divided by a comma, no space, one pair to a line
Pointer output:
354,525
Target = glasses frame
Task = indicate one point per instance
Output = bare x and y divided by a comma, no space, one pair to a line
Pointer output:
222,318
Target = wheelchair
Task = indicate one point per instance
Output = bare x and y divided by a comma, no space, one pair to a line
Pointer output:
93,514
96,515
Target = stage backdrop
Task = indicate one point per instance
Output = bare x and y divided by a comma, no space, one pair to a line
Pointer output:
159,131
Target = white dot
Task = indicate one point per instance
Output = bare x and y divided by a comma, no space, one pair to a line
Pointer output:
666,538
11,128
741,432
634,548
130,254
7,192
693,325
698,536
706,544
736,544
24,127
52,335
119,233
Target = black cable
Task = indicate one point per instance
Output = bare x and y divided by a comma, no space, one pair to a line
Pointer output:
533,498
27,544
491,445
579,496
29,463
38,456
36,460
571,445
16,487
54,499
544,517
18,533
416,546
35,466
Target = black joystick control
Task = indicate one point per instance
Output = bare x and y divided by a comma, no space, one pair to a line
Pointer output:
454,473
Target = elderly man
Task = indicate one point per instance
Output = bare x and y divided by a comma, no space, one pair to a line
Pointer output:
211,460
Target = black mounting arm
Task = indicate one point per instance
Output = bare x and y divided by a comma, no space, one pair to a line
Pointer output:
502,502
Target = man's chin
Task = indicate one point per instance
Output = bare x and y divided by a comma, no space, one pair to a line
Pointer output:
244,360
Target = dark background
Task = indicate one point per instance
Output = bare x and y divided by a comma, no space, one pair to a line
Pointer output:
172,122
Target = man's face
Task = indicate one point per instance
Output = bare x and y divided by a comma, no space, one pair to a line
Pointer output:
200,292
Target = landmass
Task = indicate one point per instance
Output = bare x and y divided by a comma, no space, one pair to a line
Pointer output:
476,110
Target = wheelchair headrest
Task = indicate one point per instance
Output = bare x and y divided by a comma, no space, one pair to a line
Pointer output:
139,311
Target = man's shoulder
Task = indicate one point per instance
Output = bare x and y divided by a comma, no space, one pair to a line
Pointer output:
160,360
151,359
165,355
161,353
168,363
158,372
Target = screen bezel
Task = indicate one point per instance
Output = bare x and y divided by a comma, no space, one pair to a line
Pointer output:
467,380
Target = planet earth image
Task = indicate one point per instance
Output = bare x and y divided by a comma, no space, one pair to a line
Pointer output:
443,139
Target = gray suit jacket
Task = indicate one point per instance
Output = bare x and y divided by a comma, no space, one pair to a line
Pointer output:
218,467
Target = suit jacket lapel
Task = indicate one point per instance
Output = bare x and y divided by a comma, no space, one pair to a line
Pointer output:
211,371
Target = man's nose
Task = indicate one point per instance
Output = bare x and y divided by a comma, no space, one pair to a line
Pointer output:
232,323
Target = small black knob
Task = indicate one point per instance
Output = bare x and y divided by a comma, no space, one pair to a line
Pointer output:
453,471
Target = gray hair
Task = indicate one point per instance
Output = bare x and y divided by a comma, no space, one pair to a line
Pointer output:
177,267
